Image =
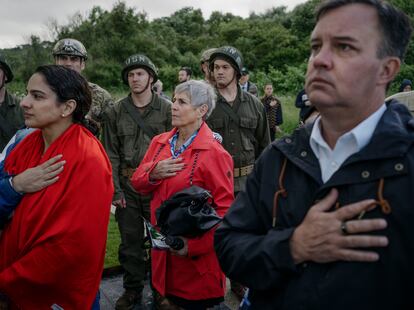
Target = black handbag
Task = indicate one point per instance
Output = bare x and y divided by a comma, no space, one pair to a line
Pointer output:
187,213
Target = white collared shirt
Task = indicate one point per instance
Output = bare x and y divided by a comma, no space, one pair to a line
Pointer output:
348,144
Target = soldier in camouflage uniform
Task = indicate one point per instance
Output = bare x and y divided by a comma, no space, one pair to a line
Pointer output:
204,65
11,115
72,54
239,117
130,126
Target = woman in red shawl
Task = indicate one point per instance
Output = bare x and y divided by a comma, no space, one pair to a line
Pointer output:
190,154
52,251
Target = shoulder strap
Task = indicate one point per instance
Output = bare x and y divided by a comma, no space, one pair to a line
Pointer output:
138,119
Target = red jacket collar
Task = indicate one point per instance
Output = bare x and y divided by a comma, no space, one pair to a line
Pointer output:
201,142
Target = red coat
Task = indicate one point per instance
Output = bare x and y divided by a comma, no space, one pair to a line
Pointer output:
52,251
197,276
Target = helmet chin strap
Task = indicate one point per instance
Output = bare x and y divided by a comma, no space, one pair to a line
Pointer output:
225,86
146,86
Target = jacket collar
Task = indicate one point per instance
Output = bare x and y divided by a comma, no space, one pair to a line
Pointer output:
202,141
392,138
241,95
154,104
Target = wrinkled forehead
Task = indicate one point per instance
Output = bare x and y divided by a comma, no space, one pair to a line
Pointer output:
351,20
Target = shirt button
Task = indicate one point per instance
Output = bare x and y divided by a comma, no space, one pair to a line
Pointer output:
399,167
231,130
232,144
334,164
365,174
304,154
288,140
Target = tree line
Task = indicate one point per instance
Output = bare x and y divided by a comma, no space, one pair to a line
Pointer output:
274,44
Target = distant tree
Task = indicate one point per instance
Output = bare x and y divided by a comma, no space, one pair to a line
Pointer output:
274,44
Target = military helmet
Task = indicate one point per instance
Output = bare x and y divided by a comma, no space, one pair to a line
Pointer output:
139,61
70,47
6,69
205,55
229,53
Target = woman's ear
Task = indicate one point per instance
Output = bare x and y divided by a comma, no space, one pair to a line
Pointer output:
69,107
202,110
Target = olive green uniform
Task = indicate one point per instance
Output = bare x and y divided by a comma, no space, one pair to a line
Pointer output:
245,135
11,117
126,144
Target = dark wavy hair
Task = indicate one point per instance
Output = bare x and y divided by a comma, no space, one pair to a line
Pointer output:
67,84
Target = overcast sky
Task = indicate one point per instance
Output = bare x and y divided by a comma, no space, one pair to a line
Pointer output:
21,18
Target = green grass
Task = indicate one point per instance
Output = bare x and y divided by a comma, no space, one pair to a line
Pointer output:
112,243
290,115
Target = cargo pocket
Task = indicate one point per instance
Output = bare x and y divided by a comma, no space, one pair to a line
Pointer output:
216,124
248,127
127,136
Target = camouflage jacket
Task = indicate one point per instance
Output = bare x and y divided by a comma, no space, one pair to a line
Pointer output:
101,100
11,117
245,137
125,142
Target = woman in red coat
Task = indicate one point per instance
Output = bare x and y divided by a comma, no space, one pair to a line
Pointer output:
188,155
52,250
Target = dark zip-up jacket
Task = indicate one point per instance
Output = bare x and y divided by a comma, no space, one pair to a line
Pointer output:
257,255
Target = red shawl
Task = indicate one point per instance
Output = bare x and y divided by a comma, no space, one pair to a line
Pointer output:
52,251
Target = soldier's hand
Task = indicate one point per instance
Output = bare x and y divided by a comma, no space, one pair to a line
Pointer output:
167,168
331,236
37,178
120,203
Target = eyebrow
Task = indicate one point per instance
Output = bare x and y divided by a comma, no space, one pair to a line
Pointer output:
339,38
36,91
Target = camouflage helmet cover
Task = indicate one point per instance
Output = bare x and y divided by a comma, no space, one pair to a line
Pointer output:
229,53
205,55
6,69
139,61
70,47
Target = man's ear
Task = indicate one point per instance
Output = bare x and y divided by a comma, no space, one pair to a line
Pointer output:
389,69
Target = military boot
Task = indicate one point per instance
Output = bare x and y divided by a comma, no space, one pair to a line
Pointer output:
128,300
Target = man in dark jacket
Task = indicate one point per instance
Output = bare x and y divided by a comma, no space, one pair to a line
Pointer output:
326,219
246,85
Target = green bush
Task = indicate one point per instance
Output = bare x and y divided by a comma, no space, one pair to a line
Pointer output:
289,81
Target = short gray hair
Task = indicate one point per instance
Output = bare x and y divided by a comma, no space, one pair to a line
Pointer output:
200,92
